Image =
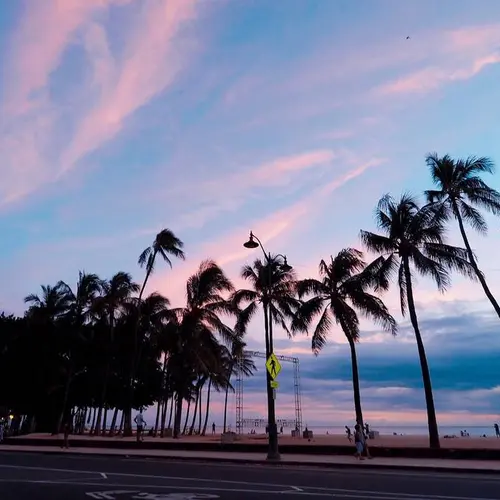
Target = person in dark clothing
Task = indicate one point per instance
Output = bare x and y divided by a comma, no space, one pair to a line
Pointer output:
348,433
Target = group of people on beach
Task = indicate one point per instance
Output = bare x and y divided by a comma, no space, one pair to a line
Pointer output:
361,436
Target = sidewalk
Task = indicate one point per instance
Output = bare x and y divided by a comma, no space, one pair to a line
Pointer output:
328,461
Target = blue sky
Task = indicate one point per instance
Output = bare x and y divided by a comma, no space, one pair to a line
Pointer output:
214,117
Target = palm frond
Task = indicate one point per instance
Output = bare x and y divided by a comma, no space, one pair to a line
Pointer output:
473,217
320,334
306,313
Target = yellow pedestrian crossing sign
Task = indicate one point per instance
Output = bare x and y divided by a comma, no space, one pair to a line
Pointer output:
273,366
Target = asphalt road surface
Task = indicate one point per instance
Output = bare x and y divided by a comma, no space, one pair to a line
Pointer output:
25,476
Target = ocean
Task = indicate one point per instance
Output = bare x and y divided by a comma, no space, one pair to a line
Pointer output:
389,430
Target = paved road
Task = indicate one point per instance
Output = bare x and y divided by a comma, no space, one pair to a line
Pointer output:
25,476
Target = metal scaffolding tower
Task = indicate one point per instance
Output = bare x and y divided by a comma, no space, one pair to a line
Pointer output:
239,399
296,387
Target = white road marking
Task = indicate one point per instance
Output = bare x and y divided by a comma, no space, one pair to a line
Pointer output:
358,495
330,491
104,475
296,488
108,495
227,490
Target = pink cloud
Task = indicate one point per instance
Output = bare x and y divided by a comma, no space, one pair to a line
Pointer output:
40,41
37,46
431,78
455,55
152,61
279,172
228,249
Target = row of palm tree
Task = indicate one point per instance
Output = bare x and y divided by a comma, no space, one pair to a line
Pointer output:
107,345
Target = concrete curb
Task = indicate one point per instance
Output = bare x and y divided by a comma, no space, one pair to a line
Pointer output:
268,463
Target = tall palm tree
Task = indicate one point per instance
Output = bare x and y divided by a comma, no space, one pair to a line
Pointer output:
81,302
217,379
342,291
415,237
166,244
239,363
115,294
199,326
461,192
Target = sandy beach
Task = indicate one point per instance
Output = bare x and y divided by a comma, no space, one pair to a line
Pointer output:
405,441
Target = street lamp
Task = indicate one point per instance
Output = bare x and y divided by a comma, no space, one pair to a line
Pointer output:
254,242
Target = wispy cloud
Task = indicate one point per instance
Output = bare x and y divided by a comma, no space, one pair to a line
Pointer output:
227,248
456,55
37,47
152,61
39,43
432,78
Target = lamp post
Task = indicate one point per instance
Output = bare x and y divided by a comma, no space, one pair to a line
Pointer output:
254,242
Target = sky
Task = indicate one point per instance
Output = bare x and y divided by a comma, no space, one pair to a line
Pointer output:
291,119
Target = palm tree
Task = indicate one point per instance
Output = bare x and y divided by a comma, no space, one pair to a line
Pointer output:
279,298
239,363
415,237
115,293
52,304
460,192
342,291
199,326
166,244
81,302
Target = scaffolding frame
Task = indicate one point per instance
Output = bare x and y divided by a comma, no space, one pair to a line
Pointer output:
296,388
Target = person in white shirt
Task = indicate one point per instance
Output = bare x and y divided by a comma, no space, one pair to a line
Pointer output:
141,423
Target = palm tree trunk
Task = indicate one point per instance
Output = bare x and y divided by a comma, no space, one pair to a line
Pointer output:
426,376
103,399
136,354
187,418
95,430
199,410
104,418
208,408
172,403
472,260
92,427
225,399
355,382
65,402
178,415
162,402
113,423
122,423
159,407
164,417
127,422
193,422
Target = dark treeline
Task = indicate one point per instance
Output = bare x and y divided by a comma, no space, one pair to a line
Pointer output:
88,355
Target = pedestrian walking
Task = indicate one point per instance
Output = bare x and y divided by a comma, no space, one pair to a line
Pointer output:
348,433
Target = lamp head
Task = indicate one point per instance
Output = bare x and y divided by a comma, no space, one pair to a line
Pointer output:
285,266
251,243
